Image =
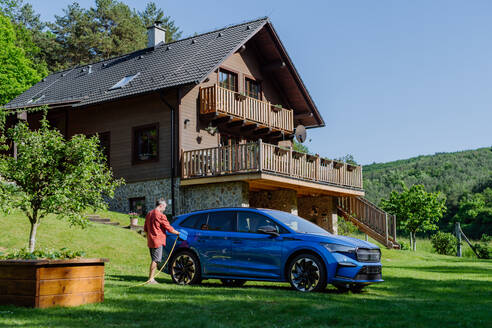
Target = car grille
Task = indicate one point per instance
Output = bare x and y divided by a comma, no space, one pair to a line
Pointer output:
368,255
372,272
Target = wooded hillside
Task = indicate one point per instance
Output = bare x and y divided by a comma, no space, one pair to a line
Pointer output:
464,177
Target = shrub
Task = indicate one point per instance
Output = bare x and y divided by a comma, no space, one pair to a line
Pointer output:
404,246
24,254
345,228
444,243
484,251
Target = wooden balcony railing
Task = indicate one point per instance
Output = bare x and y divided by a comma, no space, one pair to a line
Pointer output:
263,157
215,99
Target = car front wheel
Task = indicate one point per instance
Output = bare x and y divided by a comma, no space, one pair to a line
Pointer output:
185,269
307,273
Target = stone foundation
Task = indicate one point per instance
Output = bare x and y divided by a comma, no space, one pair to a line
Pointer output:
282,200
150,190
200,197
320,210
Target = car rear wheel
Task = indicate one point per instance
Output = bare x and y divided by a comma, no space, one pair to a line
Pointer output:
307,273
185,269
233,282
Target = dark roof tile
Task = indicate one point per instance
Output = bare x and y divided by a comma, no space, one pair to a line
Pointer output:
167,65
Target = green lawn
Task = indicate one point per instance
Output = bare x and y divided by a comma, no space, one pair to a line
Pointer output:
421,289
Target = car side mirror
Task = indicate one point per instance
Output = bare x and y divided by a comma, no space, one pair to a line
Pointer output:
269,230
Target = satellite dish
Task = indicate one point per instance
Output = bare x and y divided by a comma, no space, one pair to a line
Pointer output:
300,133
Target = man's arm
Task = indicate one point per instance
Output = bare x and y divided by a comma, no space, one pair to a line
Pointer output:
166,226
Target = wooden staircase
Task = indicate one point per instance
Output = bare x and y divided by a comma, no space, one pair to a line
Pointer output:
370,219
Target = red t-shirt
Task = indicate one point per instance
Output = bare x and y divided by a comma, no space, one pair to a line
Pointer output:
156,225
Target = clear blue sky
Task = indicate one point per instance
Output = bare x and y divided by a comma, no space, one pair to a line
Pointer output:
392,79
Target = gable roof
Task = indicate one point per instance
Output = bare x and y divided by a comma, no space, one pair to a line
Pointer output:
186,61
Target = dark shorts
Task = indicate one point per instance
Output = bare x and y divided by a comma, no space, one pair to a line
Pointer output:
156,254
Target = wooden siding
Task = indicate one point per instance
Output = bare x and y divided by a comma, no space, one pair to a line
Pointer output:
245,64
119,118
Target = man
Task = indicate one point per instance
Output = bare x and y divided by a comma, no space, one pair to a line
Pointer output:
156,225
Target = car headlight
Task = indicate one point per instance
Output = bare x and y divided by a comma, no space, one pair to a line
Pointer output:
368,255
337,248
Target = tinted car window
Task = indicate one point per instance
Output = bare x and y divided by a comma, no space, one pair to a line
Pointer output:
221,221
195,221
251,222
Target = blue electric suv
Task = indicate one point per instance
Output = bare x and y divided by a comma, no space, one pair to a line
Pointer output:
240,244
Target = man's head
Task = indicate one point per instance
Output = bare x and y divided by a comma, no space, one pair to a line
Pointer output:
160,205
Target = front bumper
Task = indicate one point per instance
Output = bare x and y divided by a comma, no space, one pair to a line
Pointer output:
352,271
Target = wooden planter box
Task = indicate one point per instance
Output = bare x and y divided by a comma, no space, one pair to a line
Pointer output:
46,283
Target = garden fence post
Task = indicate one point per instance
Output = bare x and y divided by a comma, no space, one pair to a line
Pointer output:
458,237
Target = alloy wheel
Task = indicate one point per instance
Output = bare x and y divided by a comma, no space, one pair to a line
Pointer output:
305,274
183,269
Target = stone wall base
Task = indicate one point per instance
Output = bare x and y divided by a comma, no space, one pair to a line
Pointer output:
200,197
320,210
150,190
282,200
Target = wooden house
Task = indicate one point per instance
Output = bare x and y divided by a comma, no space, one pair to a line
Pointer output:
205,122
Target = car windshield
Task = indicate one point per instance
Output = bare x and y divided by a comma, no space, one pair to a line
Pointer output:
297,223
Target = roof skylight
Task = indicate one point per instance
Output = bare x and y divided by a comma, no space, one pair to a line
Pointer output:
124,81
35,99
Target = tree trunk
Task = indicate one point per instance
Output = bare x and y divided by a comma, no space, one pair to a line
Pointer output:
414,241
411,241
32,236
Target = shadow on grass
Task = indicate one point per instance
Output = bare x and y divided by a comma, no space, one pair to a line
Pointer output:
215,284
397,302
451,269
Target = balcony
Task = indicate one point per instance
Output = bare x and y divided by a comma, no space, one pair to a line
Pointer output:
218,101
261,161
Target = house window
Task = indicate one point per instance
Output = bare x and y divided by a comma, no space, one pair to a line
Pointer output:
252,88
228,80
146,143
137,205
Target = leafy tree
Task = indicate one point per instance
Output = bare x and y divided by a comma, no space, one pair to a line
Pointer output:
475,212
457,175
16,71
107,30
53,175
416,209
29,32
152,14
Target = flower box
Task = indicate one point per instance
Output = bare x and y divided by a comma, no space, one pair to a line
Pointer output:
240,96
47,283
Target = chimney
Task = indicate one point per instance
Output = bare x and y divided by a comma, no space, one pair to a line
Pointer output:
155,34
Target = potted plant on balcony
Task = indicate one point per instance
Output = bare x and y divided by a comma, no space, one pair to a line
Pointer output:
240,96
276,107
77,178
